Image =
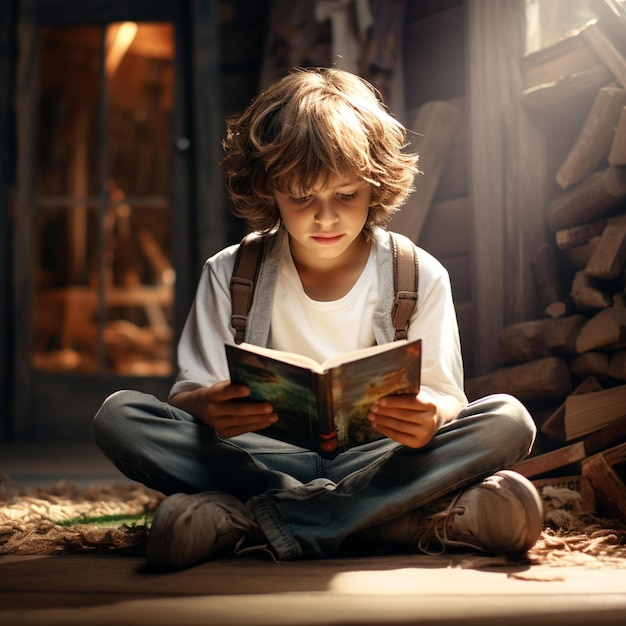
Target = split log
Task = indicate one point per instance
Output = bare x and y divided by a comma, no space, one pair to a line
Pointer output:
561,334
580,256
619,299
590,200
617,154
593,143
588,412
535,339
606,482
554,426
548,282
617,368
544,379
559,308
605,330
594,364
521,342
586,295
607,261
577,235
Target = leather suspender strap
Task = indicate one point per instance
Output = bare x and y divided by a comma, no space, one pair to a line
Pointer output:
243,281
248,264
405,283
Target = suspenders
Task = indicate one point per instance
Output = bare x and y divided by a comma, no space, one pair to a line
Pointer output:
249,260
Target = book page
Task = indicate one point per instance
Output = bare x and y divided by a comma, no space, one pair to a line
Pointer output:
285,357
357,384
320,368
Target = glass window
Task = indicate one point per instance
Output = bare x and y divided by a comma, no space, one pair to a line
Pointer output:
104,287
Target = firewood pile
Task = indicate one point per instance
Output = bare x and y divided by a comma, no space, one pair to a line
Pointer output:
569,365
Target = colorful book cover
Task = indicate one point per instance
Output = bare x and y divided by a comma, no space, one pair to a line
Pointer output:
324,407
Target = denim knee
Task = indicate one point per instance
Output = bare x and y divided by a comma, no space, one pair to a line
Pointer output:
515,419
113,413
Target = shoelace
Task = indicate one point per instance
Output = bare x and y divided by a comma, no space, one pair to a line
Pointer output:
436,525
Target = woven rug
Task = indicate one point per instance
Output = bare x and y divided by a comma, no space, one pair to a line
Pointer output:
66,518
116,519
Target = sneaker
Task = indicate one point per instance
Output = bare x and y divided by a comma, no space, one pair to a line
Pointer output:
501,515
187,529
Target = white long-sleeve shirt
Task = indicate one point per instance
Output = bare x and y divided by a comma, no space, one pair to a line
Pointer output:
285,318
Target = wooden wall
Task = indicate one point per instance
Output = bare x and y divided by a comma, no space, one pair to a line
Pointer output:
434,64
7,174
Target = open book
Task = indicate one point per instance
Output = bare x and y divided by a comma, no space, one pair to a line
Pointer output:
324,407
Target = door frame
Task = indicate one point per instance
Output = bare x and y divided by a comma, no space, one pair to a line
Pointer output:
60,407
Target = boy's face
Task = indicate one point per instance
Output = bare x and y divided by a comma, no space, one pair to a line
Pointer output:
325,222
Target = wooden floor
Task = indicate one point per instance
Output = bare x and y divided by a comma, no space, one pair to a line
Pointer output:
385,591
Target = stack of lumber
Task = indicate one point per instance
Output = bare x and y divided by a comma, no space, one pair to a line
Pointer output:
574,356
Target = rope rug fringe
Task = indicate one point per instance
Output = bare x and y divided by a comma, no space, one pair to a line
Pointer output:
115,519
66,518
572,537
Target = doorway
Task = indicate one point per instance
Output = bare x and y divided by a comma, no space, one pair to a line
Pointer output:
103,214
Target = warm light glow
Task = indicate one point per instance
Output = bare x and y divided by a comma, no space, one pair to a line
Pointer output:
118,42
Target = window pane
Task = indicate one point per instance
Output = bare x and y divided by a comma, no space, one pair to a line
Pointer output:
105,283
140,107
70,62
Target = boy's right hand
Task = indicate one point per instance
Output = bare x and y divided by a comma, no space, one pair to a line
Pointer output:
220,408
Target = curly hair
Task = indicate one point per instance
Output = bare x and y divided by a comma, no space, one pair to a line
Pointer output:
307,128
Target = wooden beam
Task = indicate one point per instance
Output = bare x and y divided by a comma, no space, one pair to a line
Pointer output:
7,52
435,125
24,260
508,172
211,226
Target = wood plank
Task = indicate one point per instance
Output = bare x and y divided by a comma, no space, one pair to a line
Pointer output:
601,440
447,228
555,459
554,96
570,55
211,234
367,590
435,125
605,481
23,242
608,52
7,63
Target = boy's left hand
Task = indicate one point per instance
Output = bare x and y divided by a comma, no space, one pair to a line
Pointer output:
408,419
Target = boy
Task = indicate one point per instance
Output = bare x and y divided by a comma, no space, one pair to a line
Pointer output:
318,160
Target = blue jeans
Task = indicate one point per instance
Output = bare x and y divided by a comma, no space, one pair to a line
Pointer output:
305,505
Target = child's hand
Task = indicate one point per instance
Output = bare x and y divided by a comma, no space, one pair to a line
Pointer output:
408,419
219,407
